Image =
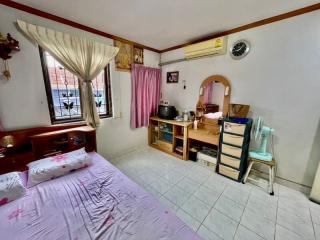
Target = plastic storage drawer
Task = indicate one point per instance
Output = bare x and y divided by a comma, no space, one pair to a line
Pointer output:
229,172
233,139
230,161
235,128
231,150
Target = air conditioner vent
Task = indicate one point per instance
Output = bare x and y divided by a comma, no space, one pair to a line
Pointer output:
217,46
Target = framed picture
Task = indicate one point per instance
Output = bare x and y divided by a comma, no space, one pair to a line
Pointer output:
173,77
137,55
123,59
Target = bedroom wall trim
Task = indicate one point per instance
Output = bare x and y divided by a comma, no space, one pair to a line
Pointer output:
55,18
259,23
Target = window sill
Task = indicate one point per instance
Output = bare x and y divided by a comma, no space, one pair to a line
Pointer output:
79,122
75,123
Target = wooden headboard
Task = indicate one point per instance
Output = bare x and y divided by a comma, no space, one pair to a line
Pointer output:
35,143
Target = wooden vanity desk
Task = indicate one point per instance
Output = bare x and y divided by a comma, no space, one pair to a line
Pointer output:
204,135
208,131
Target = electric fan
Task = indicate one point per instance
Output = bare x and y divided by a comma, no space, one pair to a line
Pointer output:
261,134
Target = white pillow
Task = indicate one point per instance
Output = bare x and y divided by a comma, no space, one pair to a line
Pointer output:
11,187
56,166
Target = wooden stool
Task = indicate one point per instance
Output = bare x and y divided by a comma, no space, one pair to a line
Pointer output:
271,166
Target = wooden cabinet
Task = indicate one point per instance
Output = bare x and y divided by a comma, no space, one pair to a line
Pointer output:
15,162
169,136
36,143
61,141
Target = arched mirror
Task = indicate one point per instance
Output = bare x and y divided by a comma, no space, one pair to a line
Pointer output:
214,99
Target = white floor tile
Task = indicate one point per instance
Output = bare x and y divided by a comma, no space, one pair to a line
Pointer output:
161,185
229,208
262,194
214,183
265,208
206,234
153,191
317,231
295,224
188,185
187,219
177,184
291,194
285,234
244,187
300,208
207,195
258,224
315,214
173,177
245,234
237,195
198,176
169,204
148,177
196,208
177,196
220,224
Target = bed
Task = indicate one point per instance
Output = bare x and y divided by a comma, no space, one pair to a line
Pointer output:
97,202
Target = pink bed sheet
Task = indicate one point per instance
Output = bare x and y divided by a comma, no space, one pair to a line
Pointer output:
98,202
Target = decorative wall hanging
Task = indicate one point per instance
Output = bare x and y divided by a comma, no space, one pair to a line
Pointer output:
138,55
173,77
8,45
124,58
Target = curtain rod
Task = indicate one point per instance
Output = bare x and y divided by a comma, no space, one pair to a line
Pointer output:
184,59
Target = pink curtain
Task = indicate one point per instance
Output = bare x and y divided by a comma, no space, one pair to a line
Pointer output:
145,94
207,93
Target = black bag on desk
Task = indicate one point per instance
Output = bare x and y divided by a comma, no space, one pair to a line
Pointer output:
234,147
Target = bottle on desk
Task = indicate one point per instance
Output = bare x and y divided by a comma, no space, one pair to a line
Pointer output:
195,124
185,116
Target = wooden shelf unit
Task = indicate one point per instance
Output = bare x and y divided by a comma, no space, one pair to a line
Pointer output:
34,143
179,137
166,135
65,140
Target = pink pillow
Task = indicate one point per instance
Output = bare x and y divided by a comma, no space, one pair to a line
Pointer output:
56,166
11,187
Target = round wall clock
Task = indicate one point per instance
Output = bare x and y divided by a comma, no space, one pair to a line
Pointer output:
239,49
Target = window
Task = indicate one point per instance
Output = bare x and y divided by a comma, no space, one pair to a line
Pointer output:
63,92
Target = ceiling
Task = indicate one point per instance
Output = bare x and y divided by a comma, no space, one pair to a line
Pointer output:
161,24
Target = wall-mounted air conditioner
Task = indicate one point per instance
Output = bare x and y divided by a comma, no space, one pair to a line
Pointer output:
217,46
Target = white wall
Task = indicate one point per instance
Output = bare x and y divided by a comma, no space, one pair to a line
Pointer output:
23,101
279,79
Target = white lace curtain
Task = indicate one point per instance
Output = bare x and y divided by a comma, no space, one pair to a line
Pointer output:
82,57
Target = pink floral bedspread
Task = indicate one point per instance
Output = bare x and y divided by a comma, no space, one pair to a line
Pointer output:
98,202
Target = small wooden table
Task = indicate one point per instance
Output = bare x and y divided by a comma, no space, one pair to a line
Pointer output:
270,164
179,133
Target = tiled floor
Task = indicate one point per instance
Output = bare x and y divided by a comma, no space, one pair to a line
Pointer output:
218,208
